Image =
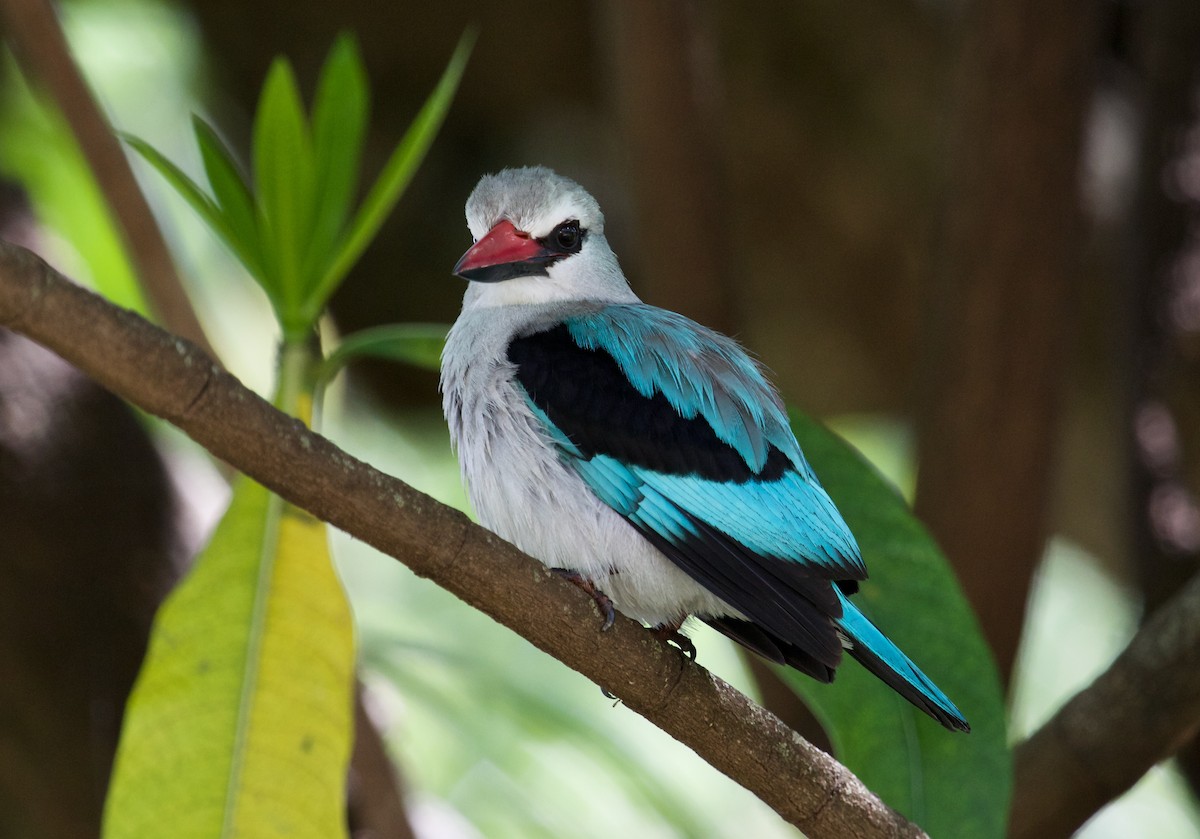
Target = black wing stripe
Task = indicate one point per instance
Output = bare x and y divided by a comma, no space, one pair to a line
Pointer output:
781,652
586,394
589,398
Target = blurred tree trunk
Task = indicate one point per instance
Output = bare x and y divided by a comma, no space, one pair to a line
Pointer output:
375,808
1162,230
87,551
86,526
1163,420
662,64
999,312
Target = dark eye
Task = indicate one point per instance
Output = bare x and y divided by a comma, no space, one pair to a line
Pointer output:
567,237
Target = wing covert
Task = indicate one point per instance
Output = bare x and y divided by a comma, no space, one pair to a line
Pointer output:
675,429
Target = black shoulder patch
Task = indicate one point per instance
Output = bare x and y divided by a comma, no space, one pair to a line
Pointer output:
585,393
755,638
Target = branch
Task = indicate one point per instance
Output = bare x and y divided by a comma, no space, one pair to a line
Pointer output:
170,378
1138,712
41,47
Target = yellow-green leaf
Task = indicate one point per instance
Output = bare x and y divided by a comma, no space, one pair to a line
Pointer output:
240,722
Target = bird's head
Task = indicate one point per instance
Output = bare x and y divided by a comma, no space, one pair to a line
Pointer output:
539,237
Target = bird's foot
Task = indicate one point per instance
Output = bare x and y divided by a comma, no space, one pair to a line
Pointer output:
670,633
603,602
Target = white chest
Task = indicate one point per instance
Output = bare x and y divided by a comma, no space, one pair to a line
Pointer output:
523,491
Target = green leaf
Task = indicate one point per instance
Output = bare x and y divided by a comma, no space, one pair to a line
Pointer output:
186,187
38,150
951,784
232,197
284,185
418,344
395,177
339,124
240,722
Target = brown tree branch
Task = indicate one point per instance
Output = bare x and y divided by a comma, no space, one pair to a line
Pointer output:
169,377
1138,712
39,44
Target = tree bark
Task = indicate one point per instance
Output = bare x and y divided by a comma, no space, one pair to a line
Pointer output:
1138,712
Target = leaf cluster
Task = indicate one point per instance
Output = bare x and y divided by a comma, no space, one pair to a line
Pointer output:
293,225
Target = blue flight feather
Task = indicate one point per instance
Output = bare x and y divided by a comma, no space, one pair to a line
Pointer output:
871,647
789,518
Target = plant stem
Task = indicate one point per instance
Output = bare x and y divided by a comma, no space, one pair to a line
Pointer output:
298,363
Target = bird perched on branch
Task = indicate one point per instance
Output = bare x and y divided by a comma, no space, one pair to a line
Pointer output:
640,454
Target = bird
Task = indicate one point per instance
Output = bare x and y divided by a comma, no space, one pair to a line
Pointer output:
645,457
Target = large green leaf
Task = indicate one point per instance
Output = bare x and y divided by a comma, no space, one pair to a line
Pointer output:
951,784
240,722
397,173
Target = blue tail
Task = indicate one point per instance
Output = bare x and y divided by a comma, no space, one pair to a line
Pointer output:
883,658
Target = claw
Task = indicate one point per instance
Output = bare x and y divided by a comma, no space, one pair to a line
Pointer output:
671,634
603,602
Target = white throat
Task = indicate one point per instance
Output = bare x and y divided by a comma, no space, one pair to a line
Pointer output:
593,274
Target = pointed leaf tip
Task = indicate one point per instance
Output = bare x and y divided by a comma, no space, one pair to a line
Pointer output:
284,180
396,175
339,124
